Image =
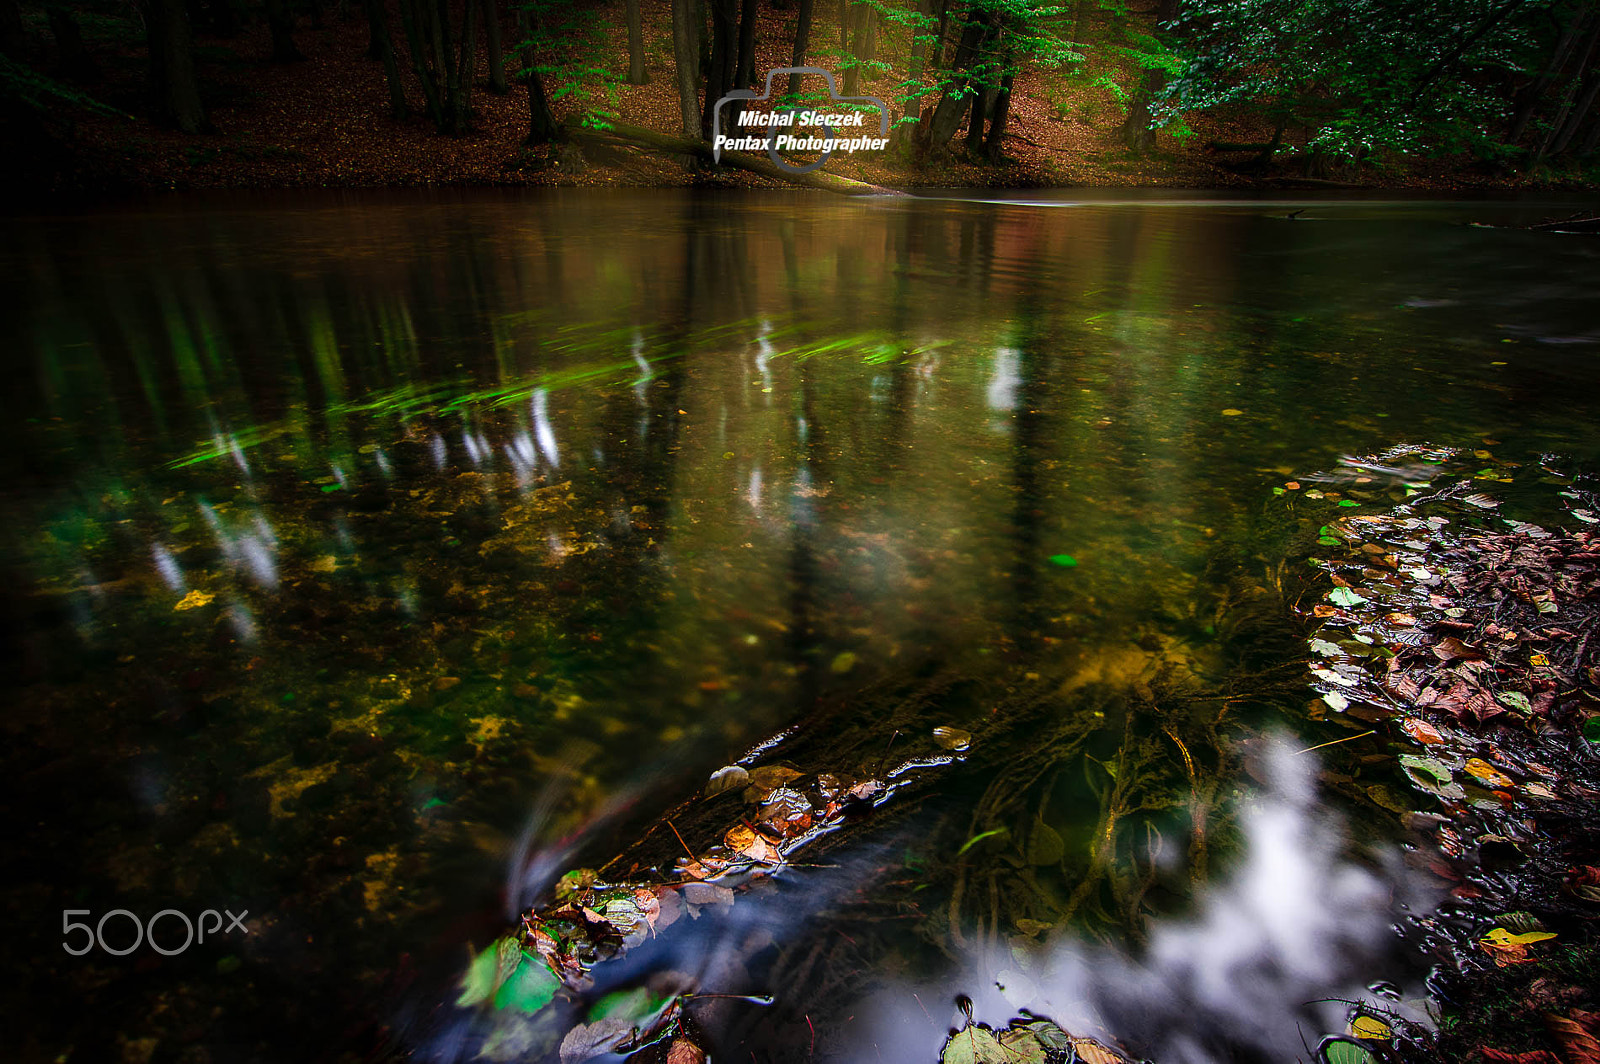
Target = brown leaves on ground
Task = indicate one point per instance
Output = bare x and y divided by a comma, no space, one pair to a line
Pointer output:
1576,1034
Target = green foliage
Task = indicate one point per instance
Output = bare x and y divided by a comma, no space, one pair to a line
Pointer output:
33,90
570,49
1416,76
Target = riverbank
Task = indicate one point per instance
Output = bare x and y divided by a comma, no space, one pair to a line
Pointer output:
1464,634
324,122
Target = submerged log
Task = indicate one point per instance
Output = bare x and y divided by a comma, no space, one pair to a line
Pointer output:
638,136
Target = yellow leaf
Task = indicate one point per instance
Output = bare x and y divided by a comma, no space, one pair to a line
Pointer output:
1499,936
1486,772
1370,1027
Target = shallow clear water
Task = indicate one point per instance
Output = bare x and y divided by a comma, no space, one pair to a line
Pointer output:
342,533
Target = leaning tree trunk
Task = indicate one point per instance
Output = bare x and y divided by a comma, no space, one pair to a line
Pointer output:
174,89
1528,99
946,117
497,62
802,43
378,27
636,71
1585,105
685,58
280,22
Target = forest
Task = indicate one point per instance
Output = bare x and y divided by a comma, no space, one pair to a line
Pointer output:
104,94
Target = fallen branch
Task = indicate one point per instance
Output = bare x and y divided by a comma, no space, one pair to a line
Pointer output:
638,136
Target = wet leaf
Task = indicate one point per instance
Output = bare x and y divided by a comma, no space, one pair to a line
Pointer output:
1420,730
952,738
1578,1044
843,662
194,600
592,1039
728,778
1344,596
1065,561
683,1051
1092,1052
1502,937
1481,769
1344,1051
771,777
1370,1028
1231,412
970,843
1517,701
529,988
972,1044
1044,844
481,977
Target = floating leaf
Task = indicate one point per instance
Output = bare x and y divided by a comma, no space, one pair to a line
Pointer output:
843,662
1370,1028
1344,596
1065,561
479,980
1231,412
530,987
952,738
592,1039
728,778
1499,936
973,1044
1344,1051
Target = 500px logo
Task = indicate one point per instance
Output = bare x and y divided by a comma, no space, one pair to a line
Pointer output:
145,931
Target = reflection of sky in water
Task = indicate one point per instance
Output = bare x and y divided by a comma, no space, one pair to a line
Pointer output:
1296,921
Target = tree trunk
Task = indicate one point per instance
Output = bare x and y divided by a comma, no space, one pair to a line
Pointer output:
13,35
802,43
1136,132
993,148
1579,113
378,28
946,117
496,54
461,122
745,70
174,89
724,56
542,125
73,60
636,71
416,18
685,50
980,109
1528,99
919,52
1578,79
280,21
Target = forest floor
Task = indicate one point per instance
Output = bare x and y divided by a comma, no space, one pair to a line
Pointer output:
325,122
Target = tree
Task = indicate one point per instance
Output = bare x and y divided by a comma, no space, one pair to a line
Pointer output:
685,55
174,90
381,47
280,24
443,57
495,54
1500,78
564,48
802,43
636,71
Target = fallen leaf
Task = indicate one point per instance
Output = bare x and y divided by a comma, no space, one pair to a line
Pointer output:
728,778
592,1039
952,738
1420,730
1481,769
1370,1028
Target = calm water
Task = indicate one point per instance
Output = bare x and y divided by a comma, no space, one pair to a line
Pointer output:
355,546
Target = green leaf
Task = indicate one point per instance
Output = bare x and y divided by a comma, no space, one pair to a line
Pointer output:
1065,561
479,981
529,988
1344,596
970,843
1344,1051
1591,729
974,1045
